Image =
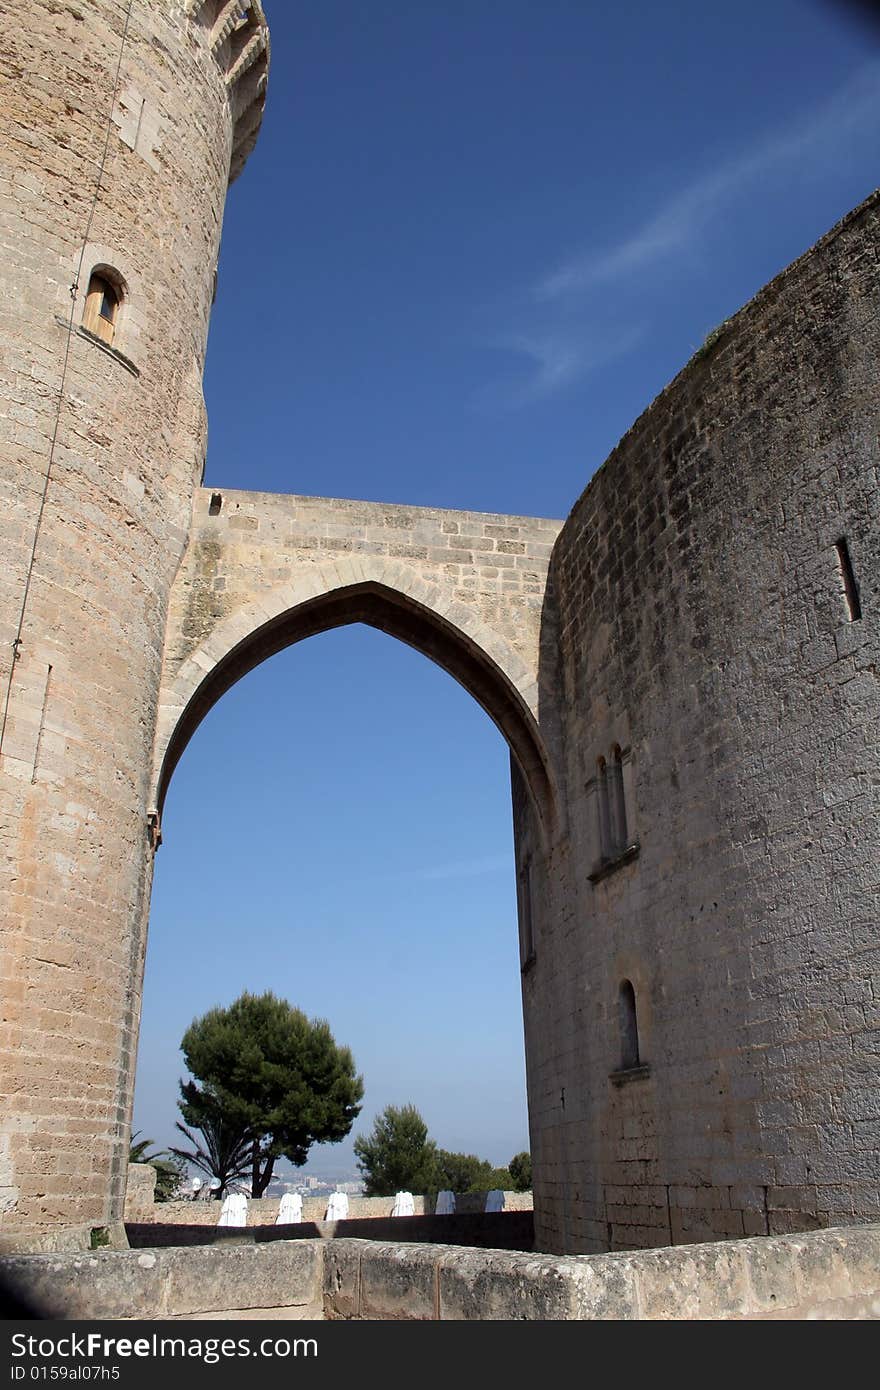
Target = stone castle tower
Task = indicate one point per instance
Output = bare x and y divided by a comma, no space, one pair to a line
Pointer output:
685,670
122,125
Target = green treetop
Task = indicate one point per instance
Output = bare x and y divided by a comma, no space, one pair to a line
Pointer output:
398,1155
521,1171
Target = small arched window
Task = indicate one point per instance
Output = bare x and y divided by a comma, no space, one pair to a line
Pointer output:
617,814
605,845
526,925
629,1026
101,315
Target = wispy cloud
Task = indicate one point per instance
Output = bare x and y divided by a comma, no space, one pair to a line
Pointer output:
556,360
550,359
567,327
811,143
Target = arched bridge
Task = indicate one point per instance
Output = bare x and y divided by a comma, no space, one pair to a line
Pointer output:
263,570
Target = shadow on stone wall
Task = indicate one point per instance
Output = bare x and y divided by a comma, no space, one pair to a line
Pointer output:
502,1230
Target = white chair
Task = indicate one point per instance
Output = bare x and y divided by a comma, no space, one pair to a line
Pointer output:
494,1200
234,1210
403,1205
445,1203
291,1210
337,1207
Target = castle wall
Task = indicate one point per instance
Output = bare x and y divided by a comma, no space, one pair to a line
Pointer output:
706,633
686,673
824,1274
119,428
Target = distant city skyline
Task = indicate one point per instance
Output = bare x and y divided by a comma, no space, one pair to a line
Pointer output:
471,245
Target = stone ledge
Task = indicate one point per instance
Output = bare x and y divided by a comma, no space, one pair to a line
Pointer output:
624,1075
171,1282
818,1274
113,352
608,866
82,332
797,1277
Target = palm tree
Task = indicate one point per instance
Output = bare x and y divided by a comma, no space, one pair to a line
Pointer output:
169,1170
223,1154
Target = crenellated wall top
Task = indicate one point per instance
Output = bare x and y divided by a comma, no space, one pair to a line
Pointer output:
238,36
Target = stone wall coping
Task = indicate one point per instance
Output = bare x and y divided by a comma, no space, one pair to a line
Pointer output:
245,497
819,1274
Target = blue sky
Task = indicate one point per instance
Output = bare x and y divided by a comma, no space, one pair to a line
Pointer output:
474,241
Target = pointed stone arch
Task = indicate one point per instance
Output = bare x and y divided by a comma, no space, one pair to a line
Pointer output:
382,593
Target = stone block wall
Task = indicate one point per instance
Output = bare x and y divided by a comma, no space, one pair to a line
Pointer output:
140,1192
827,1274
263,570
102,445
835,1274
235,1281
712,658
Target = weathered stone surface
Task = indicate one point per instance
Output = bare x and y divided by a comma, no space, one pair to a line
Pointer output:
140,1203
771,1272
686,680
101,1284
398,1281
114,436
279,1275
342,1278
492,1285
168,1283
704,629
824,1274
719,1281
696,1281
262,571
61,1239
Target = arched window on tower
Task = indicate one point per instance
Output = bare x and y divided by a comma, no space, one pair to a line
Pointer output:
603,809
629,1027
103,300
526,924
617,802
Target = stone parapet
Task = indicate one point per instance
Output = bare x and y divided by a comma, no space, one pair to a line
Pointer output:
117,129
263,1211
238,37
834,1273
170,1283
824,1274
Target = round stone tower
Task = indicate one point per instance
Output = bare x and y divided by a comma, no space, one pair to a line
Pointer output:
703,1008
122,123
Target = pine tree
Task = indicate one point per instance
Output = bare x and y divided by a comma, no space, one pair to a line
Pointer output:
278,1080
